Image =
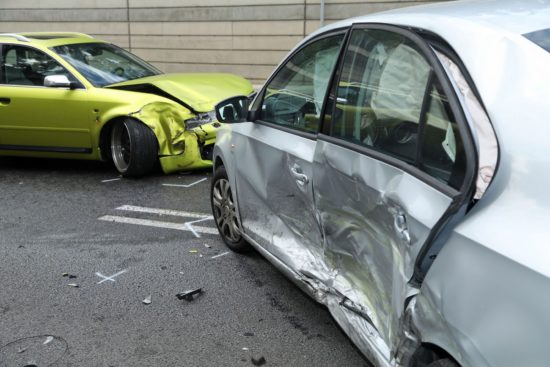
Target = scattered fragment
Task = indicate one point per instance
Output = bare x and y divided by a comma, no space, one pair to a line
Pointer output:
20,246
71,276
200,255
67,275
147,300
220,255
48,340
245,348
73,285
193,251
21,350
207,245
163,267
258,362
248,334
188,295
181,272
64,274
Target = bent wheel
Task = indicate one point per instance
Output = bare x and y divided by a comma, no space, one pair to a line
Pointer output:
225,212
134,148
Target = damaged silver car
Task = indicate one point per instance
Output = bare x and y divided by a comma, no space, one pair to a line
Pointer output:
395,167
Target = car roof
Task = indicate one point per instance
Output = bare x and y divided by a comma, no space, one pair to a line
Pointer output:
511,16
48,39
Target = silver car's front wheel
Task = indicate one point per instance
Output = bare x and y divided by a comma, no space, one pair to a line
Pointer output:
225,212
134,148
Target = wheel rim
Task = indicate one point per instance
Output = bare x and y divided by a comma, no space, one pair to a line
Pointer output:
121,147
224,211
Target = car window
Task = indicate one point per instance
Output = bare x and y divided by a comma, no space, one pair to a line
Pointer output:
294,97
388,100
27,66
103,64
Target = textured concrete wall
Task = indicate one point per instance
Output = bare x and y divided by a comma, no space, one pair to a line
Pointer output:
246,37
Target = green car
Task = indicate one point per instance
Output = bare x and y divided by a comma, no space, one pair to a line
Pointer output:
69,95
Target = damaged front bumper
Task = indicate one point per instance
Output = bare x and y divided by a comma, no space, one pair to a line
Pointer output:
179,148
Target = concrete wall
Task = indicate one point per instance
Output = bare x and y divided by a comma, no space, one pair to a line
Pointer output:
246,37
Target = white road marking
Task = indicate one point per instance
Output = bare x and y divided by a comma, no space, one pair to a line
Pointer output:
191,228
220,255
112,179
158,224
175,213
188,185
111,277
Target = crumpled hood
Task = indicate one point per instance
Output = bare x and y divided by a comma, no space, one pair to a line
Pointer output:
201,91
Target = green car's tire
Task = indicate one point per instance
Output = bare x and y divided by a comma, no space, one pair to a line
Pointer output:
225,212
134,148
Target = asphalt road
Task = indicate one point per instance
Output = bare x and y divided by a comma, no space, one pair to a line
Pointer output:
126,240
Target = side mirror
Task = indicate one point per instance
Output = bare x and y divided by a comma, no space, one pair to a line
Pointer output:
57,81
234,109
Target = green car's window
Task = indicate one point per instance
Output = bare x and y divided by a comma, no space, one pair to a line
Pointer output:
27,66
389,100
103,64
294,97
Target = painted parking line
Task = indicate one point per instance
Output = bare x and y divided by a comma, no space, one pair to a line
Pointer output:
110,278
159,224
111,180
175,213
188,185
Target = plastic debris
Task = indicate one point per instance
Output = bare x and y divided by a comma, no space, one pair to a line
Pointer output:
73,285
67,275
193,251
248,334
245,348
64,274
48,340
147,300
258,362
207,245
21,350
188,295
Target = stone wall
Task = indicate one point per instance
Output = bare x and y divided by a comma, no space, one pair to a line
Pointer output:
246,37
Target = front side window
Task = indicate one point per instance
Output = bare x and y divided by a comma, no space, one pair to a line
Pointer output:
389,100
103,64
28,66
294,97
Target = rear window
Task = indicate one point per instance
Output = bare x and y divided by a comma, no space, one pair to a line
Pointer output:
541,38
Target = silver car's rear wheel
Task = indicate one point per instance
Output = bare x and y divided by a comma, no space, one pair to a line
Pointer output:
225,212
134,148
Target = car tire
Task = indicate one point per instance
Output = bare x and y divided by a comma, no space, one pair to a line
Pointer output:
443,363
225,212
134,148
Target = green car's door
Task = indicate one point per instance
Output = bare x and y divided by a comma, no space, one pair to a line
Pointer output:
38,118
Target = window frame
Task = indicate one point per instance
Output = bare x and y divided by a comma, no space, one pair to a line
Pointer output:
439,73
80,85
257,105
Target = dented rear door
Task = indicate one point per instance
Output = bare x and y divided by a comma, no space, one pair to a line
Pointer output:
387,171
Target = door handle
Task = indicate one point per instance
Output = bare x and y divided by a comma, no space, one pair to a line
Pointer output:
299,176
4,101
400,225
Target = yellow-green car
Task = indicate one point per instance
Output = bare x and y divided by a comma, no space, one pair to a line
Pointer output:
69,95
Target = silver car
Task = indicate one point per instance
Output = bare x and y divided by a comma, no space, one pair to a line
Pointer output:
396,167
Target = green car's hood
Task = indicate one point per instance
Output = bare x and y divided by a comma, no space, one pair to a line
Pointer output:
199,92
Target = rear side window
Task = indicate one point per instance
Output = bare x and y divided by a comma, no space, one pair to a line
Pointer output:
295,95
541,38
389,100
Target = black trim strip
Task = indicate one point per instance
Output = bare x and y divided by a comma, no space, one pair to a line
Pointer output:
31,148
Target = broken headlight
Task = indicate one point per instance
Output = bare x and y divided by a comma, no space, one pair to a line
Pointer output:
200,119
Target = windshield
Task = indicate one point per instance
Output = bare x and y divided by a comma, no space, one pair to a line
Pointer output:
541,38
103,64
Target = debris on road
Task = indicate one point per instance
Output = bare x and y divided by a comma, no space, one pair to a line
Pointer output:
248,334
73,285
67,275
147,300
188,295
207,245
48,340
258,362
193,251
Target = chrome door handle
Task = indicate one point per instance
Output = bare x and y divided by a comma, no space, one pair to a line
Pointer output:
301,178
400,224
